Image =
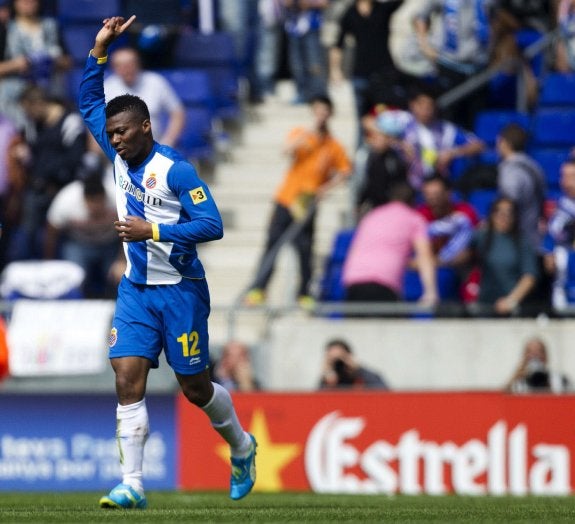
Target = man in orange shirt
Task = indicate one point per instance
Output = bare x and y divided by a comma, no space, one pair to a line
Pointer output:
319,162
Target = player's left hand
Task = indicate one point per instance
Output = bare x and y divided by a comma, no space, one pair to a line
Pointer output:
133,229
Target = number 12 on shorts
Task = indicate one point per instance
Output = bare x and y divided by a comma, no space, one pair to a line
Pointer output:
189,343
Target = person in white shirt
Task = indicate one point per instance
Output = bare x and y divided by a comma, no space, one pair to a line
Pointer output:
166,109
78,229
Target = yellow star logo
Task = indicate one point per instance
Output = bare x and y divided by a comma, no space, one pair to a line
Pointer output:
271,457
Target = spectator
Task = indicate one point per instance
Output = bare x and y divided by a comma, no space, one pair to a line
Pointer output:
462,50
560,238
435,145
533,374
241,21
306,54
522,180
78,229
506,260
234,369
381,250
384,164
10,185
33,52
267,53
342,370
156,29
404,47
367,21
515,25
51,160
318,163
522,14
565,46
153,88
450,224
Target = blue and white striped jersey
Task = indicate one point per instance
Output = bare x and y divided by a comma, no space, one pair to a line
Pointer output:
561,225
164,190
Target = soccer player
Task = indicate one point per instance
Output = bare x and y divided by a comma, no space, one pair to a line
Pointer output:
164,210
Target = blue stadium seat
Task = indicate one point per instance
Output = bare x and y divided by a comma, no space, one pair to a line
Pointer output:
570,284
447,285
554,127
87,11
331,286
79,39
341,245
526,37
224,82
502,91
550,160
74,77
489,156
196,139
195,49
558,89
481,200
489,123
192,86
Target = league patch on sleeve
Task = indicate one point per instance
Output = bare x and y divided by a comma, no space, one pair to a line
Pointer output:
198,195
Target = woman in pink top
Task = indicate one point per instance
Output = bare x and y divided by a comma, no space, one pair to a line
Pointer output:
381,249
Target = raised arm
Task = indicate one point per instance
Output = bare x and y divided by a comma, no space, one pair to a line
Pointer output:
92,101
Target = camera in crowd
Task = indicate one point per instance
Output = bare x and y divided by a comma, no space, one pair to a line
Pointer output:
537,375
345,375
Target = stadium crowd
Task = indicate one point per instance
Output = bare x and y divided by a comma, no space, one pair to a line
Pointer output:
499,223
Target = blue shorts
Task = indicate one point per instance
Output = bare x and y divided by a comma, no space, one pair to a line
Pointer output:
173,317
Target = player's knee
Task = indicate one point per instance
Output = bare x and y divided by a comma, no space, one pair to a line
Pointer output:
198,396
128,390
198,392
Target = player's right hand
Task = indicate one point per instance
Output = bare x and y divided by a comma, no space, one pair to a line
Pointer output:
112,28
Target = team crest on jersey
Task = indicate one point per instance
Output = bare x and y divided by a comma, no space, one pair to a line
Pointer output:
113,337
198,195
151,181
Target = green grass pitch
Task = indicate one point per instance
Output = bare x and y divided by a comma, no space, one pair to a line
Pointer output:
286,507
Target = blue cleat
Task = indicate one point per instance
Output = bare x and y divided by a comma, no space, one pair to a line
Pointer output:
123,497
243,473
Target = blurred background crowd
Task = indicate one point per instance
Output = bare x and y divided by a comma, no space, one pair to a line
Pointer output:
464,110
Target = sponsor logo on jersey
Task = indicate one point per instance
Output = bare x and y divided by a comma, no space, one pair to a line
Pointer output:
151,181
198,195
137,193
113,337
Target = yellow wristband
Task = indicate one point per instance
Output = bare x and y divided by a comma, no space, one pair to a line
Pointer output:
101,60
155,232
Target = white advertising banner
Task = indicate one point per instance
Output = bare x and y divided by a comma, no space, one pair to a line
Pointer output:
59,337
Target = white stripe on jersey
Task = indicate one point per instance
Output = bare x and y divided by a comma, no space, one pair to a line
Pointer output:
156,203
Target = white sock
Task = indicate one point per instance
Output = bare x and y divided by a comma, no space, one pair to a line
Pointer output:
222,414
132,431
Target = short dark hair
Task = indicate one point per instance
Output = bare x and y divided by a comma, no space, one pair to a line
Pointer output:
322,99
437,177
93,186
402,192
568,162
32,93
417,89
128,103
515,135
339,342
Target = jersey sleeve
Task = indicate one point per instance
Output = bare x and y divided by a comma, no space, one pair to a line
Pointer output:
201,221
92,103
